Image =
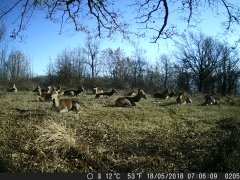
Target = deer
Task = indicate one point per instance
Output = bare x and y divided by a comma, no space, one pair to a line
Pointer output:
45,95
40,90
183,99
97,91
164,95
73,92
64,104
172,94
129,101
13,89
106,94
61,89
210,100
132,93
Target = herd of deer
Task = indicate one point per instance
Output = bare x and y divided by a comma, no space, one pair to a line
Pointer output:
64,104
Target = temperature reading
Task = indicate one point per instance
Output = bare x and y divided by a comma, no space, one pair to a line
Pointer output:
113,176
134,175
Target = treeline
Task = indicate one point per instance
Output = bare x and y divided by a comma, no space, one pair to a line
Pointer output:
14,68
199,64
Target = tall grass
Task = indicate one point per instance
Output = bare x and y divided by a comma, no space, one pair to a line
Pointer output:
152,137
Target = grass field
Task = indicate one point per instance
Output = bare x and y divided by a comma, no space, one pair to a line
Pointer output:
152,137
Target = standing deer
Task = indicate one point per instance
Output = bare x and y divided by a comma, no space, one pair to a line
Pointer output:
128,101
64,104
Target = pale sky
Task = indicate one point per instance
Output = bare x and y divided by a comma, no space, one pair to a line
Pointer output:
43,41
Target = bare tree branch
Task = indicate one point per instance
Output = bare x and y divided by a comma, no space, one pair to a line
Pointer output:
10,9
165,21
230,9
102,18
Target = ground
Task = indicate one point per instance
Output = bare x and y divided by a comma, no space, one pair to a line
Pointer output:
155,136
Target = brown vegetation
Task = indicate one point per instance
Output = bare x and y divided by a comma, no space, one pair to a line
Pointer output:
148,138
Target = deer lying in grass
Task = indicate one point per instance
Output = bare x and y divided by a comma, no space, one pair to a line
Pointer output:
61,89
45,95
132,93
210,100
128,101
97,91
106,94
64,104
73,92
13,89
164,95
172,94
183,99
40,90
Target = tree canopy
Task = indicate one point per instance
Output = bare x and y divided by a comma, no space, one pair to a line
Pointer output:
106,18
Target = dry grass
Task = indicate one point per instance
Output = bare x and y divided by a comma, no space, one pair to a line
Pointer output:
154,136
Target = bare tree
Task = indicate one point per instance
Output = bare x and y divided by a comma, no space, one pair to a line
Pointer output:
228,71
2,33
92,50
200,55
79,13
212,65
104,17
183,78
166,71
3,54
68,68
18,66
138,67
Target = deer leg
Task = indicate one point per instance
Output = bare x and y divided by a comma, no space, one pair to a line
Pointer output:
65,109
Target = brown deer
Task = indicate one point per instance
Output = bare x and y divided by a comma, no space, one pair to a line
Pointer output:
60,89
183,99
128,101
64,104
41,90
73,92
45,95
164,95
132,93
172,94
106,94
96,90
13,89
210,100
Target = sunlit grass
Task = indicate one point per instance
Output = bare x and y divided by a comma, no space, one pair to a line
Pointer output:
156,136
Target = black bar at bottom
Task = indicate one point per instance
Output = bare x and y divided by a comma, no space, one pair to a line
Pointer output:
121,176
